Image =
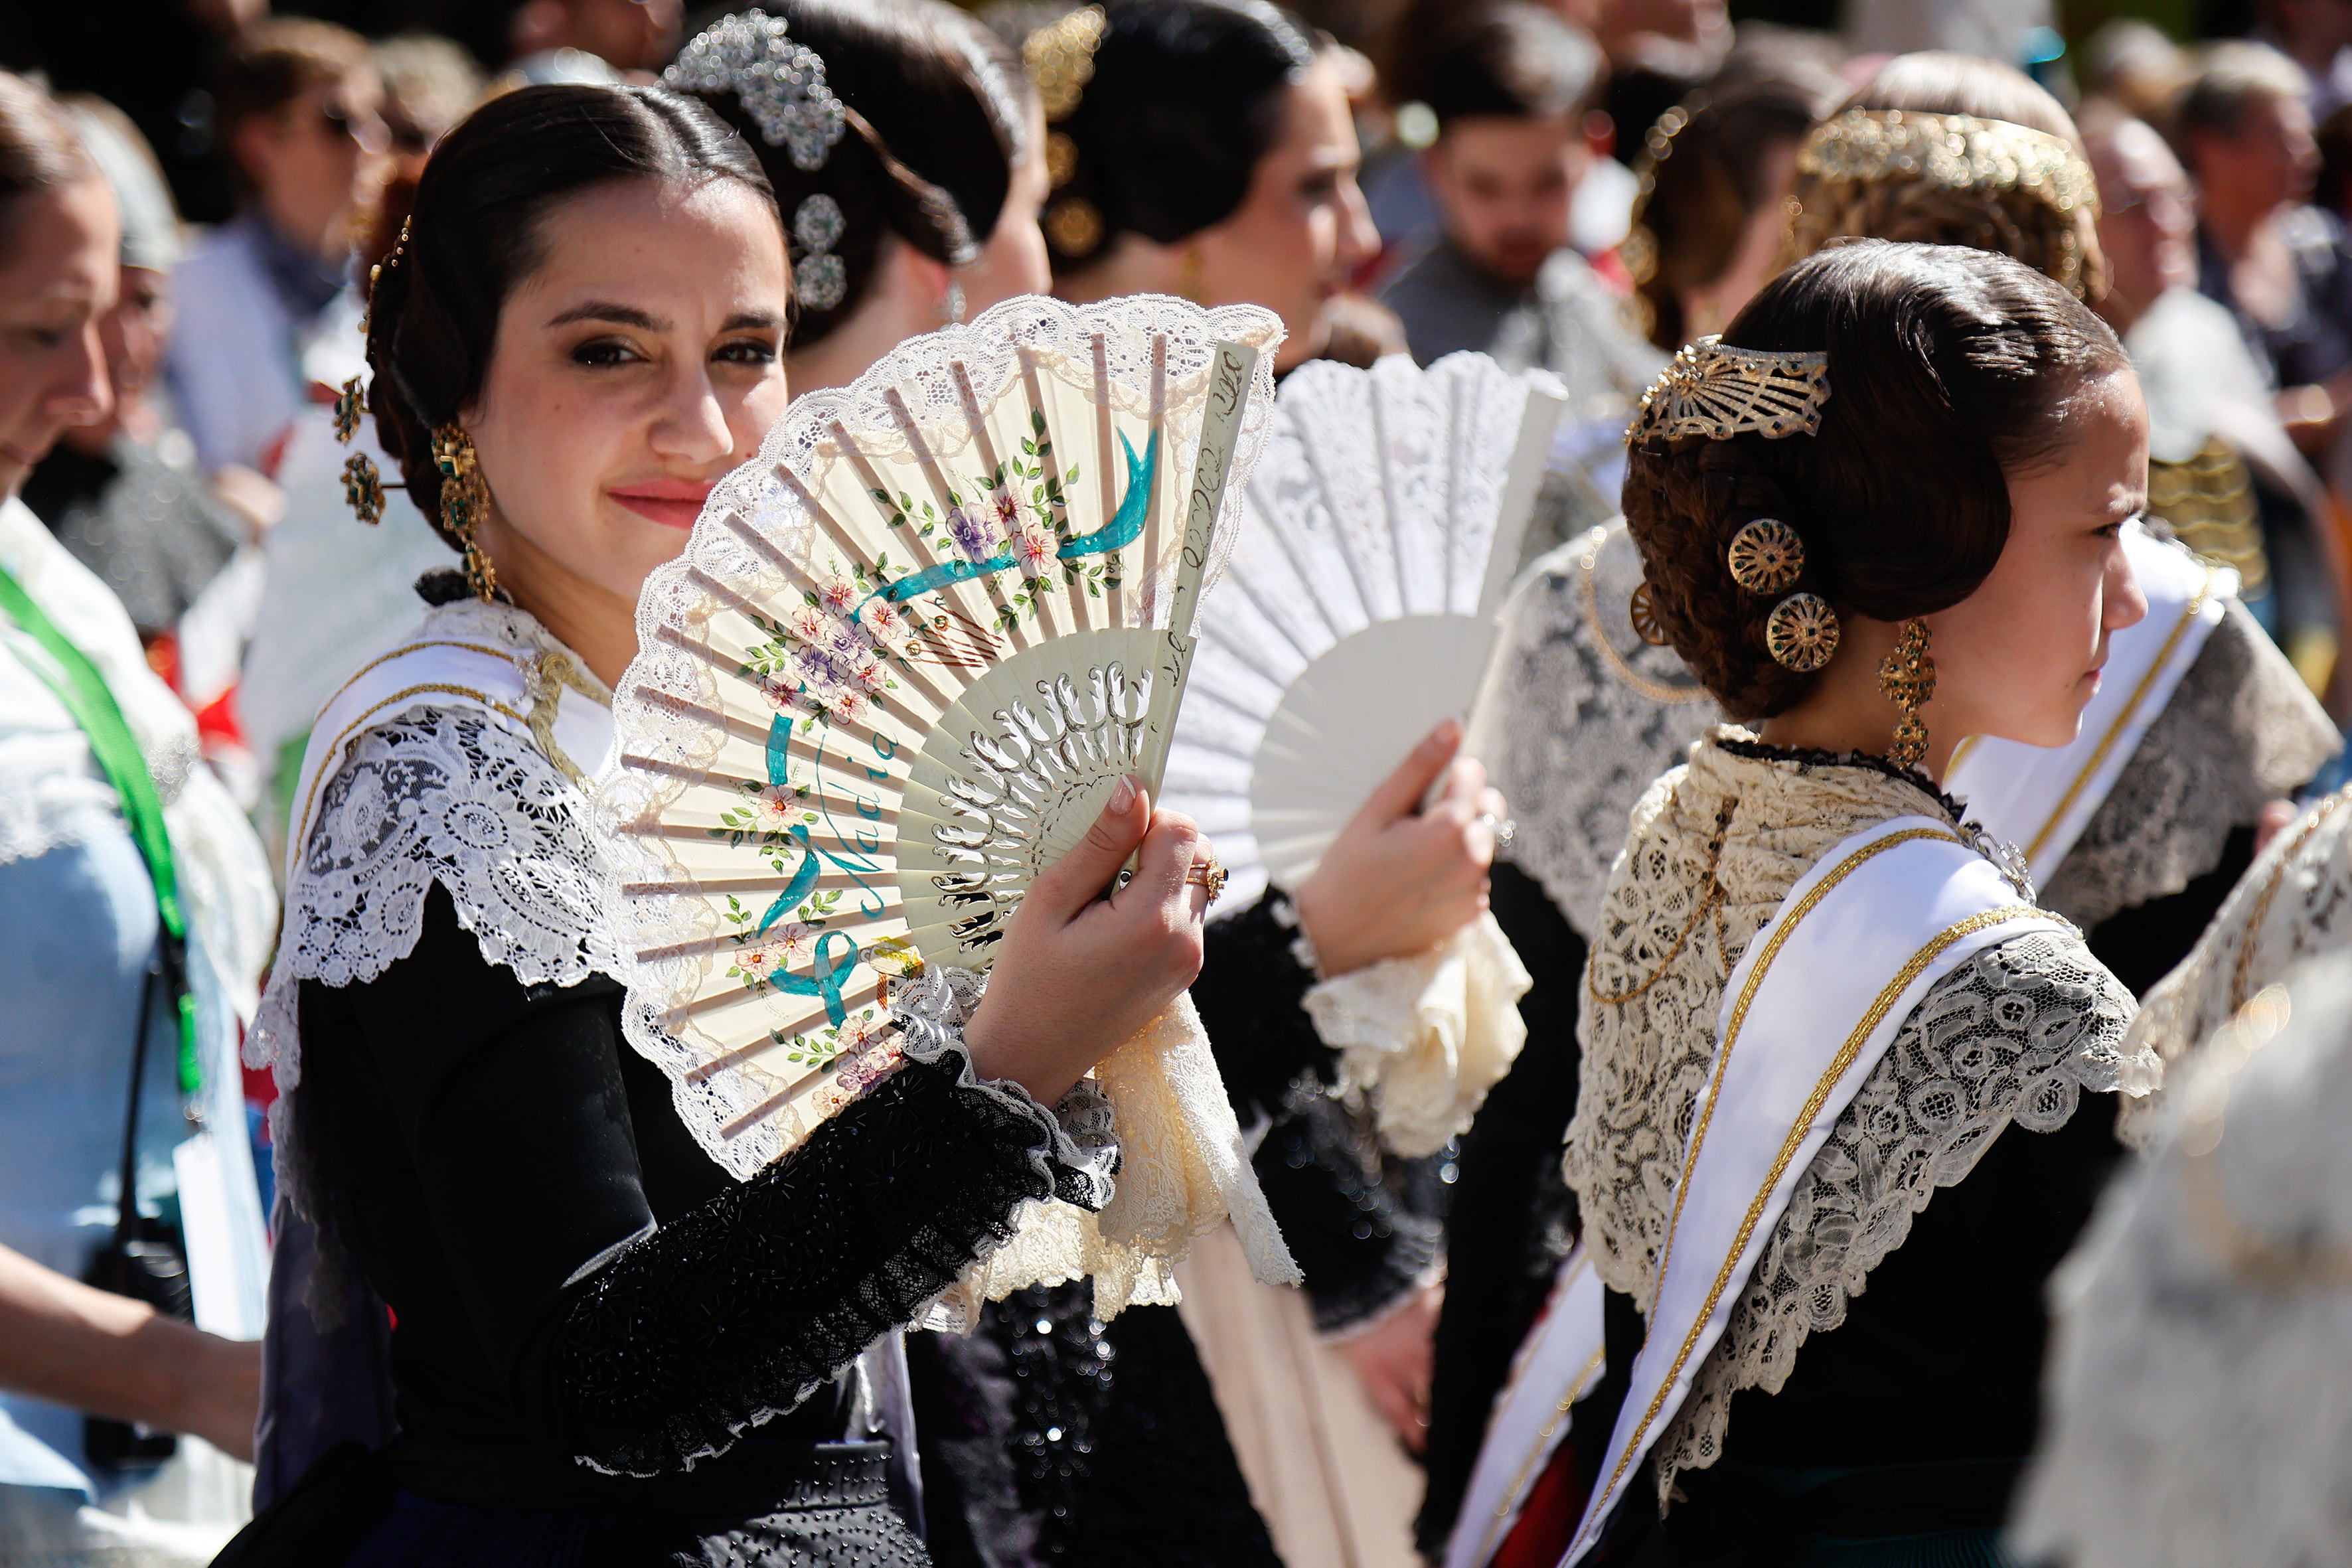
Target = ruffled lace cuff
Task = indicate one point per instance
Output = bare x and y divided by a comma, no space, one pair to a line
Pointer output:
1080,1153
1425,1037
738,1312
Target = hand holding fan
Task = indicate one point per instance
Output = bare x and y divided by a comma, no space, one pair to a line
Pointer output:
1358,611
904,659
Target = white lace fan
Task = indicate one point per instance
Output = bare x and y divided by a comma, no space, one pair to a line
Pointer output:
904,659
1359,607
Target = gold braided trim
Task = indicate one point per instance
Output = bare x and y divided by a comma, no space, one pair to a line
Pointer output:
2243,975
1871,1018
2114,730
1576,1385
1674,696
1957,151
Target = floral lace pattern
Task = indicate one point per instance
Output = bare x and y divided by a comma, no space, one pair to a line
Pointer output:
1665,953
451,796
2241,729
2016,1033
1584,717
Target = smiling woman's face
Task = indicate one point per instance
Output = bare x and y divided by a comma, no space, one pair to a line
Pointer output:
639,363
2019,658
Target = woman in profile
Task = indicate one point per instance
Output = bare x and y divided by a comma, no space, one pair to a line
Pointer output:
1828,1041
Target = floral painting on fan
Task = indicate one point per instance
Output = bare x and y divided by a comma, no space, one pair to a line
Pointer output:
906,656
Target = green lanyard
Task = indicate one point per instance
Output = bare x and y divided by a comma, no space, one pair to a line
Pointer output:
84,692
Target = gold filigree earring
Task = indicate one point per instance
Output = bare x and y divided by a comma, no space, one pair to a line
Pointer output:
1907,677
1188,274
465,502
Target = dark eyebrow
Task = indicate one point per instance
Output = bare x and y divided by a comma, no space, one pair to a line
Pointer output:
752,320
606,311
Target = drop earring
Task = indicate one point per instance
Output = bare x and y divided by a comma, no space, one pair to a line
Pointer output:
951,303
465,502
1188,274
1907,677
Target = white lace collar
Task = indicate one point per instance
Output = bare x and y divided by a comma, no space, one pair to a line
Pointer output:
456,760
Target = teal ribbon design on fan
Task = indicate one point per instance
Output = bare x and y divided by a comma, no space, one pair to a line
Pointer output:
1125,524
830,977
797,888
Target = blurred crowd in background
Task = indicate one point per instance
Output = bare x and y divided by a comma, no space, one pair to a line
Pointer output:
1581,184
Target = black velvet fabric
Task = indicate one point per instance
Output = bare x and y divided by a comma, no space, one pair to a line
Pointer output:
1938,1364
571,1275
2148,942
1513,1218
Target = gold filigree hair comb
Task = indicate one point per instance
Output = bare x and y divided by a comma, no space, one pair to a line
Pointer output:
1957,151
1717,392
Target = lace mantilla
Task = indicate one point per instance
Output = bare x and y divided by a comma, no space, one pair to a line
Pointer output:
2016,1033
2199,1405
1581,716
450,795
2293,902
2240,730
1665,946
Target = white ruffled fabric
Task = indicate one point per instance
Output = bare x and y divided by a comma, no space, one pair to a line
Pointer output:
1423,1038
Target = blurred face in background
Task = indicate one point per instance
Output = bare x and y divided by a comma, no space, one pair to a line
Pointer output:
57,280
1303,228
627,34
317,160
133,336
2148,224
1504,186
2269,163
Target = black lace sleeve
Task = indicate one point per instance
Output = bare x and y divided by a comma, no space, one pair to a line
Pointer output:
1252,993
739,1310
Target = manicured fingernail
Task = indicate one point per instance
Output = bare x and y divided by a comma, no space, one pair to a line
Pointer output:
1122,794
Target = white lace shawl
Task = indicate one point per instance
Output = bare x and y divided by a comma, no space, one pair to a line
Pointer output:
2198,1396
1581,716
2240,731
2293,903
2016,1034
52,793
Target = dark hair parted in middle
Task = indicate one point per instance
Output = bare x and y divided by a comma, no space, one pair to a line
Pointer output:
474,236
935,110
1184,98
1948,369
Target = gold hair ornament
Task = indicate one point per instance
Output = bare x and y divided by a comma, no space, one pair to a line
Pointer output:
1060,58
1907,678
1766,556
465,502
1642,609
1957,151
375,275
1802,633
1717,392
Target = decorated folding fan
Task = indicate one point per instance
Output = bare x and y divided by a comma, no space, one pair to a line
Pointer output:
1357,613
904,659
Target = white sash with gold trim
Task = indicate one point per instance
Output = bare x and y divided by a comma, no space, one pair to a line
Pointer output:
2040,798
1561,1360
1813,1004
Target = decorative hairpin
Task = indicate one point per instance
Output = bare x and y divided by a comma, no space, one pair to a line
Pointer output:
780,83
375,275
1767,557
1717,392
1957,151
1060,58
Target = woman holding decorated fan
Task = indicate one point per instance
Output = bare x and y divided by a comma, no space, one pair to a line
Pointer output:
607,1351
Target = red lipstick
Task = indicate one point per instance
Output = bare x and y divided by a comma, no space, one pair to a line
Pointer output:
673,503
